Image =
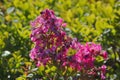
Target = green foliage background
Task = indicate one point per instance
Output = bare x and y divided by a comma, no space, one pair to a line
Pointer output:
88,20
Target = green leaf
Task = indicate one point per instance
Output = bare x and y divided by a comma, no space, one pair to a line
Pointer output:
20,78
30,75
53,68
10,10
6,53
41,68
35,69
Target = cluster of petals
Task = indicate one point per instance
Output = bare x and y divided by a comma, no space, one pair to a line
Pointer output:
52,44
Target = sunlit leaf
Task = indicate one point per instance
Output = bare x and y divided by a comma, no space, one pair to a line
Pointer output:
10,10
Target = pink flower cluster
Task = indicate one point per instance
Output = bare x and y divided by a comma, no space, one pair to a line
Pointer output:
86,54
52,44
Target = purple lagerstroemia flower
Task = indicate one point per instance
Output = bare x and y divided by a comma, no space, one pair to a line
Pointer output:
33,53
52,44
103,72
59,22
64,24
103,69
105,55
102,76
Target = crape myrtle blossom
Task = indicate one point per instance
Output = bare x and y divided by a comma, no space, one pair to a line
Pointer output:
52,44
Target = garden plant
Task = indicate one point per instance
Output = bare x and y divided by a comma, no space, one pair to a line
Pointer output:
74,27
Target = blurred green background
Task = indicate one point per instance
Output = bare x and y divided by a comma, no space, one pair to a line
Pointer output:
89,20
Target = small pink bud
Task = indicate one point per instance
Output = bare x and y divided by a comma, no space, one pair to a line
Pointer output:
105,55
